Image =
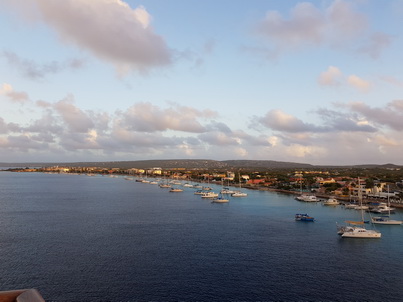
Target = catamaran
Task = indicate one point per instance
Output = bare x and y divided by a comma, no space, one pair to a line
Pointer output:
355,229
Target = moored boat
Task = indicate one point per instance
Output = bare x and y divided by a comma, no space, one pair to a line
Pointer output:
304,217
331,201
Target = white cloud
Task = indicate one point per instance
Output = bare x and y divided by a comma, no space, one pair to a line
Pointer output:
109,29
16,97
330,77
301,151
334,77
358,83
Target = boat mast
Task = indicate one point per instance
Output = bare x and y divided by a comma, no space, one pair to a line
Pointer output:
360,199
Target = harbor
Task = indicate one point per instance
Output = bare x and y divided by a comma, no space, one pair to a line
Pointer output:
97,238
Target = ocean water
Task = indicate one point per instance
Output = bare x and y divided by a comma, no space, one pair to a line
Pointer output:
82,238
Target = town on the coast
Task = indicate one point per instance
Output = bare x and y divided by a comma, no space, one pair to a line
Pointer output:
346,184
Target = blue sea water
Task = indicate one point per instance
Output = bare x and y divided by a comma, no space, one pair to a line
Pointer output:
81,238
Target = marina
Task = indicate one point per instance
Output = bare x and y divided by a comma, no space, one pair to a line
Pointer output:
80,238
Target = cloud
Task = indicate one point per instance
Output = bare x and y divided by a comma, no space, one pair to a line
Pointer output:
391,115
280,121
145,117
35,71
344,121
76,119
358,83
219,139
392,80
109,29
334,77
300,151
330,77
337,26
14,96
376,43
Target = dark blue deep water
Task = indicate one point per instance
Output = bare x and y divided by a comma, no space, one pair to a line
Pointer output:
82,238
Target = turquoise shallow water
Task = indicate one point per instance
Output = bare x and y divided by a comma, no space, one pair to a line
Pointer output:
81,238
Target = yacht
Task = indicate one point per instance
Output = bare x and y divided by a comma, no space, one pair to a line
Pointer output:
227,190
382,208
353,231
209,194
307,198
239,194
331,202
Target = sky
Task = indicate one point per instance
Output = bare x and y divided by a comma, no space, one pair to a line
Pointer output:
318,82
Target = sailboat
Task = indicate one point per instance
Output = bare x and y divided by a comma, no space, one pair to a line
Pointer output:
239,193
299,216
355,229
220,199
385,219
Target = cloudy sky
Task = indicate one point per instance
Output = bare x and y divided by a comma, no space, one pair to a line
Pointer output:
317,82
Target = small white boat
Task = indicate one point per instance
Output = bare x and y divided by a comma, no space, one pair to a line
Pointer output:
331,202
227,191
383,208
307,198
175,190
350,206
239,194
209,195
164,186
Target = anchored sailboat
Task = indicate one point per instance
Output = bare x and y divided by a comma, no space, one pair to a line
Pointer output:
355,229
385,219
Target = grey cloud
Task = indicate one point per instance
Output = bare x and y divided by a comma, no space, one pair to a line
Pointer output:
337,26
35,71
280,121
218,138
341,121
391,115
376,43
76,119
146,117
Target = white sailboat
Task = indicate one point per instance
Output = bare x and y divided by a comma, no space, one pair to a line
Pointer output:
220,199
385,220
355,229
239,193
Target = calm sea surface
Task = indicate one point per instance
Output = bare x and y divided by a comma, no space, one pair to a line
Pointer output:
82,238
